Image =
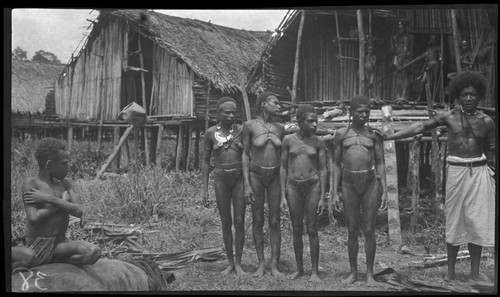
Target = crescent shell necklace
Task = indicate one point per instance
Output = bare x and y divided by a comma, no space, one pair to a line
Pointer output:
221,138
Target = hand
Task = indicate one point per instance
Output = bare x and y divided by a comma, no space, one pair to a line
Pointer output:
248,194
283,203
66,196
335,201
321,207
383,203
34,196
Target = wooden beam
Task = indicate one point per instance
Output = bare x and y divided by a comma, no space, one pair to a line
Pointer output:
142,70
115,152
361,64
456,39
297,54
158,146
391,180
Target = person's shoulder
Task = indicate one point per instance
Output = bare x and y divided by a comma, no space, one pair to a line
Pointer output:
66,183
486,118
377,133
31,180
289,137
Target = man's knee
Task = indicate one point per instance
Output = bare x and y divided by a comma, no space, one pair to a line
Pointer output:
274,223
24,257
92,253
239,222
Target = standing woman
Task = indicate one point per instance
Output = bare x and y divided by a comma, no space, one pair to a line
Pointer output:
303,180
223,143
261,168
358,157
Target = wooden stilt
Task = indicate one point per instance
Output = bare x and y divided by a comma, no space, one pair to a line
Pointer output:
116,150
456,39
70,137
143,89
180,147
158,146
116,140
127,153
197,148
189,148
391,180
415,184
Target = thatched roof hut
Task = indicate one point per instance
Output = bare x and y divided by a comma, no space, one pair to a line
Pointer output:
330,52
31,82
172,66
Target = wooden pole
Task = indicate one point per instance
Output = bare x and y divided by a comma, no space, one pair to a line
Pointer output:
180,147
158,146
116,140
441,77
340,54
391,180
207,107
70,136
297,54
361,65
127,153
115,152
190,147
246,104
197,148
435,155
415,179
456,39
143,89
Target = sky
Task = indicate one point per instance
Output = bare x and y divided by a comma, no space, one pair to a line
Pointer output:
62,31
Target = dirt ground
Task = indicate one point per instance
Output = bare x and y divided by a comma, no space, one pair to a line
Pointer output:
334,266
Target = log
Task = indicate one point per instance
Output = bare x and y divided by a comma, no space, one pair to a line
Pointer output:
115,152
297,54
391,180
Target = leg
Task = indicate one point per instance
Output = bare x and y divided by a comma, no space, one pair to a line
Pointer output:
311,207
273,199
258,222
475,258
370,203
452,251
22,257
239,207
296,207
351,209
77,252
223,198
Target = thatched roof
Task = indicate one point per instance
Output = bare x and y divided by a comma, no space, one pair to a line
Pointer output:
31,81
220,54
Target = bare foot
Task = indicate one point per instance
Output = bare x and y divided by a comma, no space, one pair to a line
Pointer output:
276,273
227,271
239,271
370,281
314,278
260,271
350,279
296,274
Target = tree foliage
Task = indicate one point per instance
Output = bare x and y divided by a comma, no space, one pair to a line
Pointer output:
19,53
45,57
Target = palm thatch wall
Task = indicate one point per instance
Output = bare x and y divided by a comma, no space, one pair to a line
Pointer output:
167,64
329,51
31,82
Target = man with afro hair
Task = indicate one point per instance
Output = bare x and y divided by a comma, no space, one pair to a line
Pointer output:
470,184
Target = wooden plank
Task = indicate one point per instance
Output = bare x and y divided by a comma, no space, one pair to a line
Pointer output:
391,172
297,53
115,152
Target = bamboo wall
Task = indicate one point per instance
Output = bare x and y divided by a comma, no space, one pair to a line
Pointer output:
172,84
92,85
